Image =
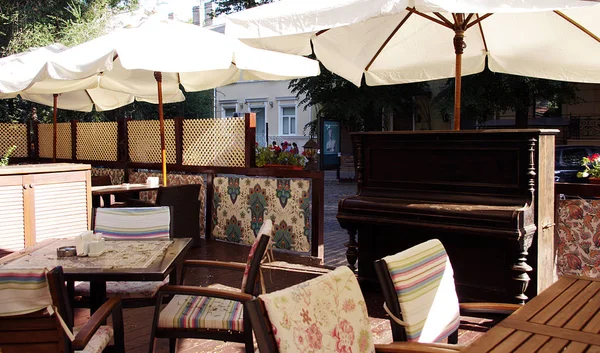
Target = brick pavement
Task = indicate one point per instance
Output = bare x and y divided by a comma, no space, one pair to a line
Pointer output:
334,235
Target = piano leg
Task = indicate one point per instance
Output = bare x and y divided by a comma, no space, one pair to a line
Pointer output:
352,248
522,267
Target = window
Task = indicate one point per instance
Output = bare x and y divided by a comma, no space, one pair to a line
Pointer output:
288,120
227,110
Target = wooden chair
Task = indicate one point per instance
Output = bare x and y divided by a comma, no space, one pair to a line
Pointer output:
36,316
185,205
325,314
104,200
420,296
140,223
196,312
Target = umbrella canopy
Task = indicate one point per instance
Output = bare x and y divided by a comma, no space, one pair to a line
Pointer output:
27,75
402,41
159,55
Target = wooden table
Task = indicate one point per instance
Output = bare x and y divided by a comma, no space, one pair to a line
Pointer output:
563,318
153,261
130,190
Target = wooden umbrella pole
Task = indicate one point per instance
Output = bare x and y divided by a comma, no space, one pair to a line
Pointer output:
158,77
54,127
459,45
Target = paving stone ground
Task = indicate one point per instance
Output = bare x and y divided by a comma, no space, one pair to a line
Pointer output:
334,236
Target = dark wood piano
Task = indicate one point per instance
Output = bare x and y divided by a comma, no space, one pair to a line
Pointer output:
488,195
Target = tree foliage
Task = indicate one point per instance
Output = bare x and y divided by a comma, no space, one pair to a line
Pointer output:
487,93
225,7
357,108
32,23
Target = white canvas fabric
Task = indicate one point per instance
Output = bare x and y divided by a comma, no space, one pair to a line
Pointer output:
28,74
523,38
195,57
23,291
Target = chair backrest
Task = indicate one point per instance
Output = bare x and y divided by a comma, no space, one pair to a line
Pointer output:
418,288
255,257
324,314
140,223
185,205
101,180
25,324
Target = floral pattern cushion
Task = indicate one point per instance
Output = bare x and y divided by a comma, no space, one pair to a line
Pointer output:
141,289
579,237
325,314
186,311
241,204
99,341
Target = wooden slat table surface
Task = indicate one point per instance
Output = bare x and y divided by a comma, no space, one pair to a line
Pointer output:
563,318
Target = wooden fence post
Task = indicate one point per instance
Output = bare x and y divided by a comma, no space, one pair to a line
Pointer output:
74,140
250,140
123,146
35,143
210,194
178,140
317,246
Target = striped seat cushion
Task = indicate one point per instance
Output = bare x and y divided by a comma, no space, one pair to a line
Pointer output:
23,291
133,222
185,311
424,282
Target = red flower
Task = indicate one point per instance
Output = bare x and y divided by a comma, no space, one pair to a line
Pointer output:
344,333
595,157
315,338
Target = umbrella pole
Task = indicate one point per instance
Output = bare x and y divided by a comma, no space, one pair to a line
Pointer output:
161,119
459,45
54,127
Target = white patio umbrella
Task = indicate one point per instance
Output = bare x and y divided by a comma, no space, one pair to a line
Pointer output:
159,55
27,75
401,41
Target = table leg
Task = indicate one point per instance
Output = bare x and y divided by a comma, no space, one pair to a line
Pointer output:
97,295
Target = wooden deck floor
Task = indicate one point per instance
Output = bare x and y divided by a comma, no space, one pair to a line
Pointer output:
287,270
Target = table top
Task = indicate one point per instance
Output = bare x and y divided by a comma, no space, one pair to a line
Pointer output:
122,188
563,318
122,260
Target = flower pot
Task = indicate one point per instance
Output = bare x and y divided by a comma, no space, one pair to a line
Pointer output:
284,166
593,180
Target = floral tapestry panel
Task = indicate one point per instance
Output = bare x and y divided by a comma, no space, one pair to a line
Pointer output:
172,179
116,175
324,314
578,240
251,200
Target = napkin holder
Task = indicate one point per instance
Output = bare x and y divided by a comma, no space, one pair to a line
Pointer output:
82,242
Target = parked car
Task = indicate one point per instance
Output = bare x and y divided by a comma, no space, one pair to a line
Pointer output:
568,162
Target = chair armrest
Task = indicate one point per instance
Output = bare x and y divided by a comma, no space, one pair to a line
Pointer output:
416,347
502,309
110,307
205,292
214,264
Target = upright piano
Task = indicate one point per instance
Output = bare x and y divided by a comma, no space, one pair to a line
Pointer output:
488,195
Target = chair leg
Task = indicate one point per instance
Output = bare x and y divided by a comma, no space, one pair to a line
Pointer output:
453,338
248,341
172,345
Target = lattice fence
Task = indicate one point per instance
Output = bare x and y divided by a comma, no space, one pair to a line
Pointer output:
13,135
214,142
97,141
63,140
144,141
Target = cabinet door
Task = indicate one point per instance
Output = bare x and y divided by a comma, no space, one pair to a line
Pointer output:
12,223
60,204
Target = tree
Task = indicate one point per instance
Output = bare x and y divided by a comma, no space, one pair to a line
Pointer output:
31,23
487,93
230,6
357,108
